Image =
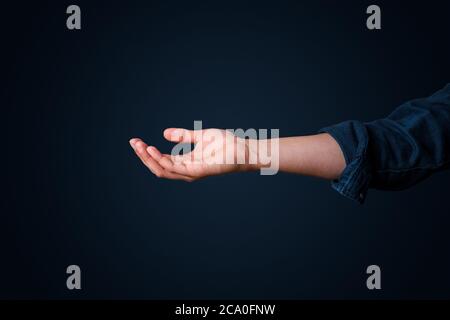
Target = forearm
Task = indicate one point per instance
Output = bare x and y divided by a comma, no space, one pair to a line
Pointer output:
317,155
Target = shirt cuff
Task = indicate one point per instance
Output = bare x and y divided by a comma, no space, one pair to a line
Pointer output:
353,140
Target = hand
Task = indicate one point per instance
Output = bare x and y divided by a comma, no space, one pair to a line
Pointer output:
216,152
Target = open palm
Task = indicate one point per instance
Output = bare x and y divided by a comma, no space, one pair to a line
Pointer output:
216,152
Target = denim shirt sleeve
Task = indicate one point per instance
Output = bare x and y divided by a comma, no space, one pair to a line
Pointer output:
395,152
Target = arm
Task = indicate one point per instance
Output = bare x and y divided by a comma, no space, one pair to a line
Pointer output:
395,152
392,153
317,155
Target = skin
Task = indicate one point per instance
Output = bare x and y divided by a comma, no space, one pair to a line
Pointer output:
316,155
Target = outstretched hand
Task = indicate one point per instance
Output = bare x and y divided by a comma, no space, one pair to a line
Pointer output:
214,148
220,151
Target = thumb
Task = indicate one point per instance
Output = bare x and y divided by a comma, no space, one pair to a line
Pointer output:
182,135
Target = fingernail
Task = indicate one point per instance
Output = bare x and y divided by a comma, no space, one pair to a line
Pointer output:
176,132
132,143
138,146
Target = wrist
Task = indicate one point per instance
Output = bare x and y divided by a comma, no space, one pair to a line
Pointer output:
251,155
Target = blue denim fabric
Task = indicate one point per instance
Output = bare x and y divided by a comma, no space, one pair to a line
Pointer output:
396,152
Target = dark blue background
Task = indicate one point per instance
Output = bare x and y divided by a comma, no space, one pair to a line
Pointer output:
74,192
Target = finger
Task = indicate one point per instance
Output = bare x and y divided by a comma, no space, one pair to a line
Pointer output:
166,163
140,148
133,142
182,135
157,155
154,153
175,176
147,160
